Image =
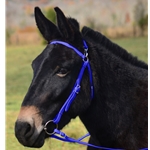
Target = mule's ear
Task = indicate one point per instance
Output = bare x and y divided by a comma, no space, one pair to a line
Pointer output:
46,27
64,25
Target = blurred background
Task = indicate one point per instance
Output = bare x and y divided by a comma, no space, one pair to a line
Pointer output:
125,22
114,18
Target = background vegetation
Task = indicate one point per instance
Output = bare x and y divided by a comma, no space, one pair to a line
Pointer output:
19,75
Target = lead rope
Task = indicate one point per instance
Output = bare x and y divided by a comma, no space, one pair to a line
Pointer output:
57,134
65,138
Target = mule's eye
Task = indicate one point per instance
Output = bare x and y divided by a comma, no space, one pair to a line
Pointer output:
62,72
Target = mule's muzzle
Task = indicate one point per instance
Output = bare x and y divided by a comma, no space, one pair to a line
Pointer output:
28,135
29,129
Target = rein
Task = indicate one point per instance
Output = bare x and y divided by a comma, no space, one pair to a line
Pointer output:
57,134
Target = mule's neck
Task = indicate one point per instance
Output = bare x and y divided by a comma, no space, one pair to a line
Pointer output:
99,39
109,112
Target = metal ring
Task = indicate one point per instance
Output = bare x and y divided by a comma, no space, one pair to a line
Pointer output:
85,59
45,127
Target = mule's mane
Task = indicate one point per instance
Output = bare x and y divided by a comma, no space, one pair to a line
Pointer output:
99,39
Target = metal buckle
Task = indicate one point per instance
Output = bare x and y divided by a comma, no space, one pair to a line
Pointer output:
86,52
86,55
46,124
77,89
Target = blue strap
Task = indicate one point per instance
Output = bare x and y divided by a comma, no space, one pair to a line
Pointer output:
72,96
91,81
65,138
69,46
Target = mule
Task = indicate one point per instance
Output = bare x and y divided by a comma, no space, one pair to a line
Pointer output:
115,117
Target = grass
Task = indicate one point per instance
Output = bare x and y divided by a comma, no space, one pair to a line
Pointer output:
136,46
19,75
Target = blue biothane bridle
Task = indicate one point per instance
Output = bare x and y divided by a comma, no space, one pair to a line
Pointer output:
57,134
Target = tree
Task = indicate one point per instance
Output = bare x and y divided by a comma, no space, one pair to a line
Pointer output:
9,32
141,16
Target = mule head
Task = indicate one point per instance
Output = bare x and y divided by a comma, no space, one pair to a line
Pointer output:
55,71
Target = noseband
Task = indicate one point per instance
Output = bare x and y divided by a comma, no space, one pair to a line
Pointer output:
57,134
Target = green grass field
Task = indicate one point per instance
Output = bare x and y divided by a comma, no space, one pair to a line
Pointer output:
18,78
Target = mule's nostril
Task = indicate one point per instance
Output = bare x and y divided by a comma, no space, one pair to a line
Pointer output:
23,129
28,130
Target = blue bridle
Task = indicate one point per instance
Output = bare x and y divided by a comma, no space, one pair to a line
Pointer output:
57,134
77,85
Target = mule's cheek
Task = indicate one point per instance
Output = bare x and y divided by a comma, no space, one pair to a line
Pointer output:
29,128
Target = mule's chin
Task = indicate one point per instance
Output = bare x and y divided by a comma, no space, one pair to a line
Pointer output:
39,142
34,142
